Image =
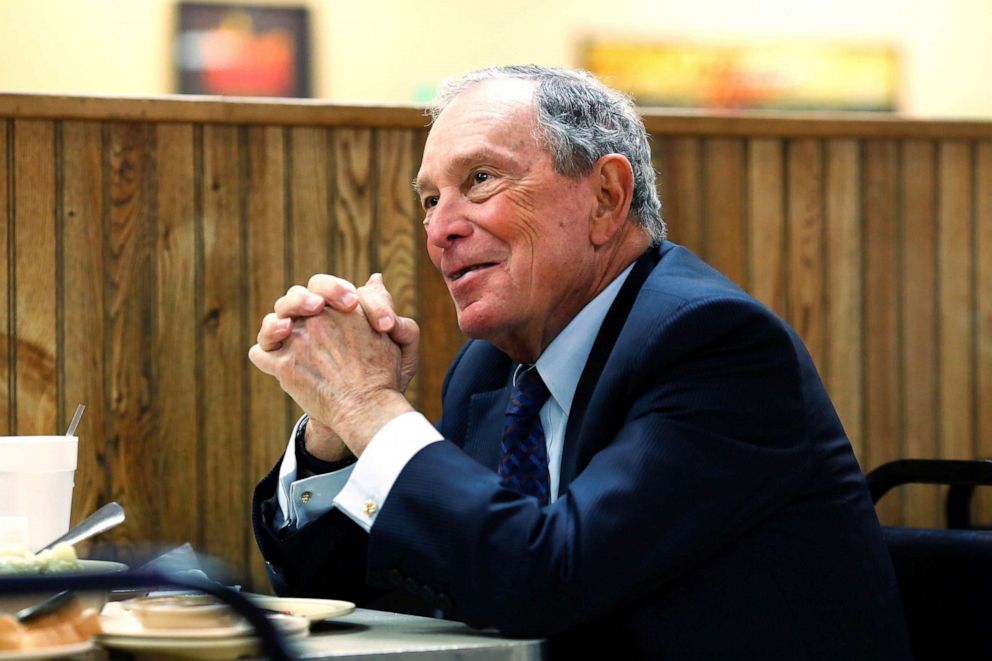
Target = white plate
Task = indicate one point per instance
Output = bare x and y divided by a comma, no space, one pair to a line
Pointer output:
312,609
223,648
129,626
99,567
48,652
192,643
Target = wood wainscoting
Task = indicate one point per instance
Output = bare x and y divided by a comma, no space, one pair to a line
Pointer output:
144,239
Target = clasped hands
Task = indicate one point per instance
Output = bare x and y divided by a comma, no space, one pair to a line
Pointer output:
344,355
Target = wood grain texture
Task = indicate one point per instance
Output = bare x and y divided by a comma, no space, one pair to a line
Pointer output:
882,422
352,204
983,316
396,166
35,400
6,269
767,230
310,204
724,238
844,273
918,327
315,112
226,491
267,272
805,249
955,272
681,192
175,338
132,452
225,110
83,311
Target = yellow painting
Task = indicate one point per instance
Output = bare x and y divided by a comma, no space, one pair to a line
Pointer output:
776,75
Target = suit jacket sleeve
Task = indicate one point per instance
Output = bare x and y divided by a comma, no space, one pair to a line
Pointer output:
706,437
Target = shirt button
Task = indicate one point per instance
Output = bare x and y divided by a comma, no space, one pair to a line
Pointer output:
305,497
370,507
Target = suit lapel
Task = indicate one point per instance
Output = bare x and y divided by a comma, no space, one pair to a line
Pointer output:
613,323
487,411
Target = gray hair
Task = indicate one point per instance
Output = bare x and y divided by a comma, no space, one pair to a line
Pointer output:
579,120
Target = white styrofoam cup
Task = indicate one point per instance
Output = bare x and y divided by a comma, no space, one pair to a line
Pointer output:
36,480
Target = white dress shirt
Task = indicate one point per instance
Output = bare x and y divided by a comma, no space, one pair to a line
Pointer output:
360,491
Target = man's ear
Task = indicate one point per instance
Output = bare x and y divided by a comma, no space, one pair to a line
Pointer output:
613,182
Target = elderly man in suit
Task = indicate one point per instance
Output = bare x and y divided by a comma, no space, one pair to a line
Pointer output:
635,457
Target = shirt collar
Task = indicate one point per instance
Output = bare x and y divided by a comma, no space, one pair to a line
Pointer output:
561,364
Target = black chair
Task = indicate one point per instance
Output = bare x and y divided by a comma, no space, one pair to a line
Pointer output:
945,575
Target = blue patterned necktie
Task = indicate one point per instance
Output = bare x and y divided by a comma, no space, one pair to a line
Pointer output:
523,463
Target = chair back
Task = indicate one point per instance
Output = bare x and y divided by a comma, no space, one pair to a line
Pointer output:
945,575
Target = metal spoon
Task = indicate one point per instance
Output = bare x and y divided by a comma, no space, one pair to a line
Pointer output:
99,521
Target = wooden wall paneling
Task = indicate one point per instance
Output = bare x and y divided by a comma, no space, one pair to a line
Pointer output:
842,370
983,317
128,369
267,275
6,298
131,446
353,204
439,332
724,208
34,284
680,183
311,228
83,312
955,244
310,204
918,330
175,339
226,494
398,219
805,249
882,430
766,212
658,164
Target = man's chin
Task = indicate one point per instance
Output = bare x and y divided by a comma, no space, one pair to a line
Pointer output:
474,323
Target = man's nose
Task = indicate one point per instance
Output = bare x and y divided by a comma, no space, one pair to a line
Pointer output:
448,221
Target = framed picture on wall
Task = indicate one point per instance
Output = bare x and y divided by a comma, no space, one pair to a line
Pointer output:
779,75
243,50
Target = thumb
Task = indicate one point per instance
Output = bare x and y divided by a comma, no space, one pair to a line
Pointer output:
405,332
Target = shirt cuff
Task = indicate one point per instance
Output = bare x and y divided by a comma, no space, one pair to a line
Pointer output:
302,501
364,495
287,475
314,496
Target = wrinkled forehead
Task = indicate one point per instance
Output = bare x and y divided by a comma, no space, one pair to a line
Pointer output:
492,115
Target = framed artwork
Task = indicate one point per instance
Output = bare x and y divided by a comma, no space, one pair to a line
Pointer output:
781,75
243,50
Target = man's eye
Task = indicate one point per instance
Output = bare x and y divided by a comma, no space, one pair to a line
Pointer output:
430,201
481,177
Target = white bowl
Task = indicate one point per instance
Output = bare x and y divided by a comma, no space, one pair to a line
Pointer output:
186,611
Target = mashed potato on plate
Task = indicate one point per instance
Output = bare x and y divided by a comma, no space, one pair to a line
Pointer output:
19,560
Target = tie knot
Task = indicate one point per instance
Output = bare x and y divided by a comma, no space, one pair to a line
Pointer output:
529,393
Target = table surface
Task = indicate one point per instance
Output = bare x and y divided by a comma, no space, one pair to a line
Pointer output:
370,635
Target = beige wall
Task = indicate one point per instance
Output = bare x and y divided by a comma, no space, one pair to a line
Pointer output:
397,50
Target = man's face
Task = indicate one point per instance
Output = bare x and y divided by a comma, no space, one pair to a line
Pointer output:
509,234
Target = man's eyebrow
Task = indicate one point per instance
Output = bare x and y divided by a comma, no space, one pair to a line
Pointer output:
465,161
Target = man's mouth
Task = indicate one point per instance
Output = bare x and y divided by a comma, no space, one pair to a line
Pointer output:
457,275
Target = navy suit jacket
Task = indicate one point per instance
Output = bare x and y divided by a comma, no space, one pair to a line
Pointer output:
710,505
